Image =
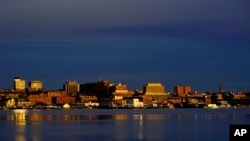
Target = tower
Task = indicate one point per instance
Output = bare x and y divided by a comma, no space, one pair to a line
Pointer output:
221,89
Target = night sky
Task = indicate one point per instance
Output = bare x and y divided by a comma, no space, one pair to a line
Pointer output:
190,42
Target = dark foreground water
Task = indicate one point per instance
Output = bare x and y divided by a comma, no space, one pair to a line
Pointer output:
120,124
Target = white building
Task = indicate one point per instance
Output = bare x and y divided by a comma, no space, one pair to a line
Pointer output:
134,103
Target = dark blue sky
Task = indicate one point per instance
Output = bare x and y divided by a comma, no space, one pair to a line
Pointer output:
191,42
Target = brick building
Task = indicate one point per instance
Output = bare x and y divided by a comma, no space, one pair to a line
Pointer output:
181,89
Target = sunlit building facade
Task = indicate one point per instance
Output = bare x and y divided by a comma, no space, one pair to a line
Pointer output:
182,89
71,87
119,88
36,85
19,84
154,89
120,91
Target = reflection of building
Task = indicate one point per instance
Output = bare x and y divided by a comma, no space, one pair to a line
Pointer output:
181,89
19,84
36,85
154,89
19,115
120,116
71,87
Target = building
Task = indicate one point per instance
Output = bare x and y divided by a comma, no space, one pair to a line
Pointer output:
87,89
87,99
133,103
23,103
19,84
71,87
36,85
154,89
7,94
120,91
101,89
60,97
56,93
155,93
103,92
181,89
51,97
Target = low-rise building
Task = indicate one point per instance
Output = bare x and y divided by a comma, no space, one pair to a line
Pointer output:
134,103
23,103
87,99
56,93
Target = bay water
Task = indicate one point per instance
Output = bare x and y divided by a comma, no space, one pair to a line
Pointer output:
120,124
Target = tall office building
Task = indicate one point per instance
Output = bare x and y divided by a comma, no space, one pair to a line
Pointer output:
19,84
36,85
71,87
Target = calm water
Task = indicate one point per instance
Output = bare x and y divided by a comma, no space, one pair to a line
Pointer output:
120,124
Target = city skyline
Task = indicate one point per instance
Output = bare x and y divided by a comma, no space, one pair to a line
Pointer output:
20,84
194,43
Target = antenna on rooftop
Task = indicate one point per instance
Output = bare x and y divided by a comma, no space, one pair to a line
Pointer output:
221,89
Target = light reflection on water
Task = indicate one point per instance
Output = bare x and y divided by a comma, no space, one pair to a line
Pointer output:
143,124
19,116
22,116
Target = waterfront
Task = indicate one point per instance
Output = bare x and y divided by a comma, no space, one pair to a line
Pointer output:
120,124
